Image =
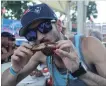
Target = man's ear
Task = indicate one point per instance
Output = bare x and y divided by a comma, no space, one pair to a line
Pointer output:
59,25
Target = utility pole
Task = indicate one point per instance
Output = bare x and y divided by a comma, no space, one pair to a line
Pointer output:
81,17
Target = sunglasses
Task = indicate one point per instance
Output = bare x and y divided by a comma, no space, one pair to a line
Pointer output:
43,28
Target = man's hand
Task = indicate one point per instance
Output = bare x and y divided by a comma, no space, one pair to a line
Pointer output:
21,56
68,54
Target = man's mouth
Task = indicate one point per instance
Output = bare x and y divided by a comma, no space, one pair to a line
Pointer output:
44,41
46,48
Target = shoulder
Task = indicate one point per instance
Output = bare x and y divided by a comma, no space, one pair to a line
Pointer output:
93,48
92,42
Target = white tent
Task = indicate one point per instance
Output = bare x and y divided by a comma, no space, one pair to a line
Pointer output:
58,5
64,6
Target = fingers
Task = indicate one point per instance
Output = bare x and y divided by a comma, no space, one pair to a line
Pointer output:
25,50
60,43
27,45
63,54
16,58
66,45
22,54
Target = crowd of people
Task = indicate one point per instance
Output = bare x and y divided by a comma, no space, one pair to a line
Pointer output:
79,61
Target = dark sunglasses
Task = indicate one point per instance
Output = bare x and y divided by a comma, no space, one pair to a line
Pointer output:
43,28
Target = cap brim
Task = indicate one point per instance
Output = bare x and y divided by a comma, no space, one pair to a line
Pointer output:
23,30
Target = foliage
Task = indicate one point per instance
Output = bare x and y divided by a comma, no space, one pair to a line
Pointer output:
91,10
14,8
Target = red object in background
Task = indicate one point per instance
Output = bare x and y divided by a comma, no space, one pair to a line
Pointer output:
3,10
49,82
26,11
45,70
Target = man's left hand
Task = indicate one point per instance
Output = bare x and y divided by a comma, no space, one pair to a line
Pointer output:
67,52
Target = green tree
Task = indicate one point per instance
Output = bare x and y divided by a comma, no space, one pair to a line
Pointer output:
91,10
14,8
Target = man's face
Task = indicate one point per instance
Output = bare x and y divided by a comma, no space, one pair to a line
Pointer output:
4,41
52,36
11,43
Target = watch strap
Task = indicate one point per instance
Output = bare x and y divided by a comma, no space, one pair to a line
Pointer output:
80,71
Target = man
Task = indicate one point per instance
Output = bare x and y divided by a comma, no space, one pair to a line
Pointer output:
11,44
6,50
39,25
12,41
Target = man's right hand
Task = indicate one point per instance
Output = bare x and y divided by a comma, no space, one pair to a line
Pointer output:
21,56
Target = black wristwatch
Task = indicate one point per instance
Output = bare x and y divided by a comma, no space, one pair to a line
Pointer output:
82,70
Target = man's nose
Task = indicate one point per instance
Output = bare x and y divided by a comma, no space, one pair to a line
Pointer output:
40,36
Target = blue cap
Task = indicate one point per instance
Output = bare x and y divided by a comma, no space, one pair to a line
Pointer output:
36,12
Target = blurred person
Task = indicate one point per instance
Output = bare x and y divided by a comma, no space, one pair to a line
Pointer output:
12,41
68,66
6,50
96,34
11,44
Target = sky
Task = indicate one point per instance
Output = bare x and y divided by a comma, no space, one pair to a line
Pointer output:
101,7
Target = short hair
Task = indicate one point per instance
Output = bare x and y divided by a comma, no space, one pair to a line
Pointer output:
8,35
5,34
12,38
